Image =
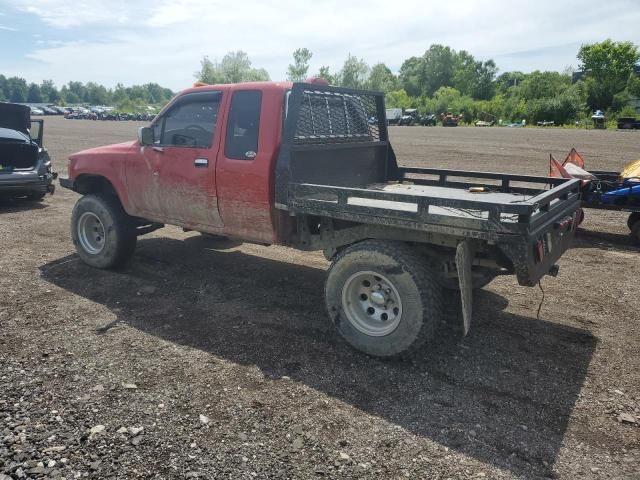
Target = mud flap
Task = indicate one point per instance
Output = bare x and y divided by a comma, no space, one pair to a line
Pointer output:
464,258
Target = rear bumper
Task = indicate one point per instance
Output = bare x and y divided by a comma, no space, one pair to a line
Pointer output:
15,185
536,256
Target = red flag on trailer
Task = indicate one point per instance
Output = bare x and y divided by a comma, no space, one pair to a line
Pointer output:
575,158
557,170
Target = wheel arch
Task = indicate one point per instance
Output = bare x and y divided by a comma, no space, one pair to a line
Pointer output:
87,183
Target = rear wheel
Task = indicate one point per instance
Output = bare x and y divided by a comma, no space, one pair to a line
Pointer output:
103,234
383,298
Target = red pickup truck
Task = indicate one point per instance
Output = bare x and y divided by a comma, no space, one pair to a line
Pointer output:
311,167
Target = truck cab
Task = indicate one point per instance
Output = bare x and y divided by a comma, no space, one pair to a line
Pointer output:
204,163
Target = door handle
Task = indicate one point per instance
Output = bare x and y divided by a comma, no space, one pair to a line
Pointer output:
201,162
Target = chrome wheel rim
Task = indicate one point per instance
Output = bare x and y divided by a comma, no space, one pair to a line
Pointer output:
91,233
372,303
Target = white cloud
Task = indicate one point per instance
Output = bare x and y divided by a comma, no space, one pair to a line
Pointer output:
65,14
163,41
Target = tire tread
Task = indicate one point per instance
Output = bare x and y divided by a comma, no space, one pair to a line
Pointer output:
414,264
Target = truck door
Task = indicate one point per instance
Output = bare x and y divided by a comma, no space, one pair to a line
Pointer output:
244,173
185,157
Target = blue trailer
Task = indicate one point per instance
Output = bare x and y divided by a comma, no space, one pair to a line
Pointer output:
609,192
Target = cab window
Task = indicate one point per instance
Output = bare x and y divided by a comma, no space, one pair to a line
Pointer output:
191,121
243,126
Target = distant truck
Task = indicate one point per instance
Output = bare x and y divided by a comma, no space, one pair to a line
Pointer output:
300,165
393,115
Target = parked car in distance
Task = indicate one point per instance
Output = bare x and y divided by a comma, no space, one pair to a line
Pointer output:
36,111
25,166
449,119
429,120
628,123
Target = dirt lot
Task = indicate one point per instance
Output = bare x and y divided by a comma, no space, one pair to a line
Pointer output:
223,355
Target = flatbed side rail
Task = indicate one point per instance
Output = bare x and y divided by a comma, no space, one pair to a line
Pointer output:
476,218
505,178
570,190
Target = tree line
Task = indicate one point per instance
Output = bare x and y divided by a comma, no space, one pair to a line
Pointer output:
445,80
440,80
17,90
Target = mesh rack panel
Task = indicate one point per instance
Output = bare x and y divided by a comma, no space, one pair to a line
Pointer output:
335,117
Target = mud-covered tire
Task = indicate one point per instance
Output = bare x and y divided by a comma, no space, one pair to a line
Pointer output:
634,218
118,242
412,280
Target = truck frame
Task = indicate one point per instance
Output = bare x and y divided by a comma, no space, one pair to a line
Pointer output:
320,176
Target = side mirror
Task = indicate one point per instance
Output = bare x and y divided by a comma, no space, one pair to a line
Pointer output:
145,136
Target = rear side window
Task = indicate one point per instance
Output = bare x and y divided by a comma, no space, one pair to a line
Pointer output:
243,126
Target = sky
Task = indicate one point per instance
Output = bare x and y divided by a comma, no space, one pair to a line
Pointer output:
163,41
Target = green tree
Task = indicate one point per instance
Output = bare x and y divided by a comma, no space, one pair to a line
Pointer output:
97,94
4,90
508,81
607,66
326,75
410,76
34,95
398,99
484,81
633,85
473,77
119,94
16,90
539,84
354,73
297,70
382,79
209,72
235,67
78,91
49,92
438,68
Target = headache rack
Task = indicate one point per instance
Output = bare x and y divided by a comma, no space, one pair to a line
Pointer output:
336,161
333,136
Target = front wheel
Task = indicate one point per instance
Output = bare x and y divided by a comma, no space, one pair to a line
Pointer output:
102,232
383,298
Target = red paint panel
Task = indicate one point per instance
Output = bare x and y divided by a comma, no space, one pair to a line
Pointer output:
246,187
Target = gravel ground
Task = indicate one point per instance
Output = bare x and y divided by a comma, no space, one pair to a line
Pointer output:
207,359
